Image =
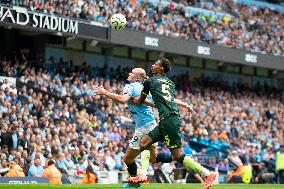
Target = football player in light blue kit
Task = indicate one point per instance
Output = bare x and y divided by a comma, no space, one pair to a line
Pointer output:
144,121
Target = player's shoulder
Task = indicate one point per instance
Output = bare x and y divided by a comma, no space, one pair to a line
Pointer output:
128,85
152,79
128,88
168,80
147,81
136,85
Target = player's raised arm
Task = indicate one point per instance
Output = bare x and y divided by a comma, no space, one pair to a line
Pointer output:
123,99
185,105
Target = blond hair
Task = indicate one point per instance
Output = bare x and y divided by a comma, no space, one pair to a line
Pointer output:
142,73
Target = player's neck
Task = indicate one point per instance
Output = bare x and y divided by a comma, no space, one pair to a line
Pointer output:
160,74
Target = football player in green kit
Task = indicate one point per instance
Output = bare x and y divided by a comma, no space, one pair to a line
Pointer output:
162,90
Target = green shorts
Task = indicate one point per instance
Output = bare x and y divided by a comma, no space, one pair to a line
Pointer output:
168,130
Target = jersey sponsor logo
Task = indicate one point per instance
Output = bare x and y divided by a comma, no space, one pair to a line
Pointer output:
161,80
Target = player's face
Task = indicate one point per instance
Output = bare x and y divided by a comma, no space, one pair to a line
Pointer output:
132,76
156,68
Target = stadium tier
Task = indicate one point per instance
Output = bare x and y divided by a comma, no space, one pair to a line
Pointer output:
69,93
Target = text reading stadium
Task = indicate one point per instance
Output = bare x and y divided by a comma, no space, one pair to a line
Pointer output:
38,20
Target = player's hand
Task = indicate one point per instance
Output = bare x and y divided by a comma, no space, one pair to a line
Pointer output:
134,100
101,91
191,111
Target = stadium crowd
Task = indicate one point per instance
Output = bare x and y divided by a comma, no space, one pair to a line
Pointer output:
240,26
53,114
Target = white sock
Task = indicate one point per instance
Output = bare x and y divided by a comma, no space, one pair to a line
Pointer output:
205,172
145,156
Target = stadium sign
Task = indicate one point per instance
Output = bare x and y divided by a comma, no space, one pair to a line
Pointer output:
203,50
37,20
251,58
151,41
195,48
23,180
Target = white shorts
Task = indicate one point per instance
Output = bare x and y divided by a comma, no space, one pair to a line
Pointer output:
139,134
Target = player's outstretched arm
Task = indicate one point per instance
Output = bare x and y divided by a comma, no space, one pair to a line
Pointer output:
185,105
123,99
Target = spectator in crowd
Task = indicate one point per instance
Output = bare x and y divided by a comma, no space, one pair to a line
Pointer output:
80,165
15,170
4,167
235,158
224,165
36,170
263,175
15,138
5,85
6,137
24,165
202,156
52,173
90,176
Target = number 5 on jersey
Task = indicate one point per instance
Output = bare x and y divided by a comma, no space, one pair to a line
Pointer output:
166,91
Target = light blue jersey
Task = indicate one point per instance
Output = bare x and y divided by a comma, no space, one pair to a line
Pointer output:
142,114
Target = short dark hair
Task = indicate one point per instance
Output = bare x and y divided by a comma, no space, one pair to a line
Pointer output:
166,64
50,162
90,169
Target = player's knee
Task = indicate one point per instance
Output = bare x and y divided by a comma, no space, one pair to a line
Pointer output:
176,157
143,144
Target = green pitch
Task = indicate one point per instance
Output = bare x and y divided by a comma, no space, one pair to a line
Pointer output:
148,186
